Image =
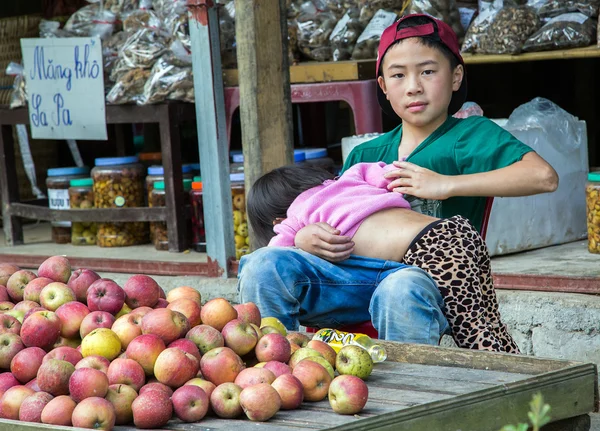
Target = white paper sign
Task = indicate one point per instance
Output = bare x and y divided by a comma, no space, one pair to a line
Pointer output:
65,86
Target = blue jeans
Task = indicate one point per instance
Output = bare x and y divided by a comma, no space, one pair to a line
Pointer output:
402,301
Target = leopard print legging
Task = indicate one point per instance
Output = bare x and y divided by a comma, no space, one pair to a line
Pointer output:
455,255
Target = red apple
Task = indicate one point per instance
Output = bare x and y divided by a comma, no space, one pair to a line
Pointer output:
95,413
315,380
225,400
10,345
221,365
64,353
25,306
169,325
6,305
239,336
127,327
53,376
56,268
260,402
190,403
32,384
80,281
9,324
6,270
127,372
95,320
55,294
205,385
185,292
254,376
141,291
348,394
71,316
187,346
140,311
152,409
174,367
324,349
4,293
161,303
273,347
33,310
205,338
144,349
32,406
59,411
121,397
217,312
156,386
7,380
11,401
34,288
105,295
87,382
17,282
298,338
278,368
248,312
94,361
290,391
26,363
189,308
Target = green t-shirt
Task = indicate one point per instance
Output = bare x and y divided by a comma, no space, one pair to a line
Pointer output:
459,146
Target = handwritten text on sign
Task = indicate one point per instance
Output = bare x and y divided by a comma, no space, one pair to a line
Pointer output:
65,86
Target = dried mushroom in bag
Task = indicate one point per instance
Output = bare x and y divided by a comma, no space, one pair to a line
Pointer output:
570,30
119,7
167,8
551,8
81,22
129,86
141,18
368,41
345,34
368,8
444,10
110,51
479,26
170,78
314,28
178,27
339,7
509,30
142,48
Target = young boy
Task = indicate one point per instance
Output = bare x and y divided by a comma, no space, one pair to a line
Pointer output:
421,80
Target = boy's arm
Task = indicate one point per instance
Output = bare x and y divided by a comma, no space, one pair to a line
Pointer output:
529,176
322,240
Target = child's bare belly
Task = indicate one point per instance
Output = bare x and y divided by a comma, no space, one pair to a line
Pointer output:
387,234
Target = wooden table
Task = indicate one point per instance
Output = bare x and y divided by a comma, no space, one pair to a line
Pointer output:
426,388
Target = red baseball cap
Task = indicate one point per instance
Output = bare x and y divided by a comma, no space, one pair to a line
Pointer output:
435,29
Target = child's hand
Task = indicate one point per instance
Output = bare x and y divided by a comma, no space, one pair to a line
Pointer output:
423,183
322,240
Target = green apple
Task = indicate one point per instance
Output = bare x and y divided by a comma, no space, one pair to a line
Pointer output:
355,361
300,354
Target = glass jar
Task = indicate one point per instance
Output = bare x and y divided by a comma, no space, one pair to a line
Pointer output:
198,232
240,220
119,183
592,197
157,173
58,182
158,230
81,196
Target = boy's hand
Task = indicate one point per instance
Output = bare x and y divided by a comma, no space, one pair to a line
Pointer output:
416,181
322,240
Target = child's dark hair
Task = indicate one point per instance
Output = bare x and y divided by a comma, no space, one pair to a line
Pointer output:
431,41
273,193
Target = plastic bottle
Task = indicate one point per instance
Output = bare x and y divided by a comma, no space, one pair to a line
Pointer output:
338,339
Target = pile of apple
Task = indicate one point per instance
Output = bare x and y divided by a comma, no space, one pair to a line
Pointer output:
77,349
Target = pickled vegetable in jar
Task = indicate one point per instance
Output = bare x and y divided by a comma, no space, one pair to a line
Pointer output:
592,198
198,232
81,196
158,230
240,220
157,173
58,182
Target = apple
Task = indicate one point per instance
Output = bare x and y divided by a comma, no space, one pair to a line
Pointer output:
10,345
64,353
156,386
278,368
33,310
298,338
273,347
141,311
144,349
321,360
348,394
126,372
174,367
7,380
4,297
80,281
225,400
187,346
56,268
32,384
300,354
217,312
161,303
184,292
254,376
239,336
127,327
32,290
55,294
26,363
94,412
32,406
190,403
95,320
87,382
6,270
260,402
25,306
94,361
169,325
141,291
248,312
6,305
17,314
71,316
205,338
221,365
152,409
121,397
123,311
355,361
16,284
105,295
290,391
66,342
53,376
267,329
58,411
9,324
314,378
11,401
188,308
205,385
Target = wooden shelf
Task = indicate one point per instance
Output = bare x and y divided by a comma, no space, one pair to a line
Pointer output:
563,54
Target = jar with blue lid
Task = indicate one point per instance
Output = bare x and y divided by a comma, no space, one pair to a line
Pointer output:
58,182
158,230
156,173
119,183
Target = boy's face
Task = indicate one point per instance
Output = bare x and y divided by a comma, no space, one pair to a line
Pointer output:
418,82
